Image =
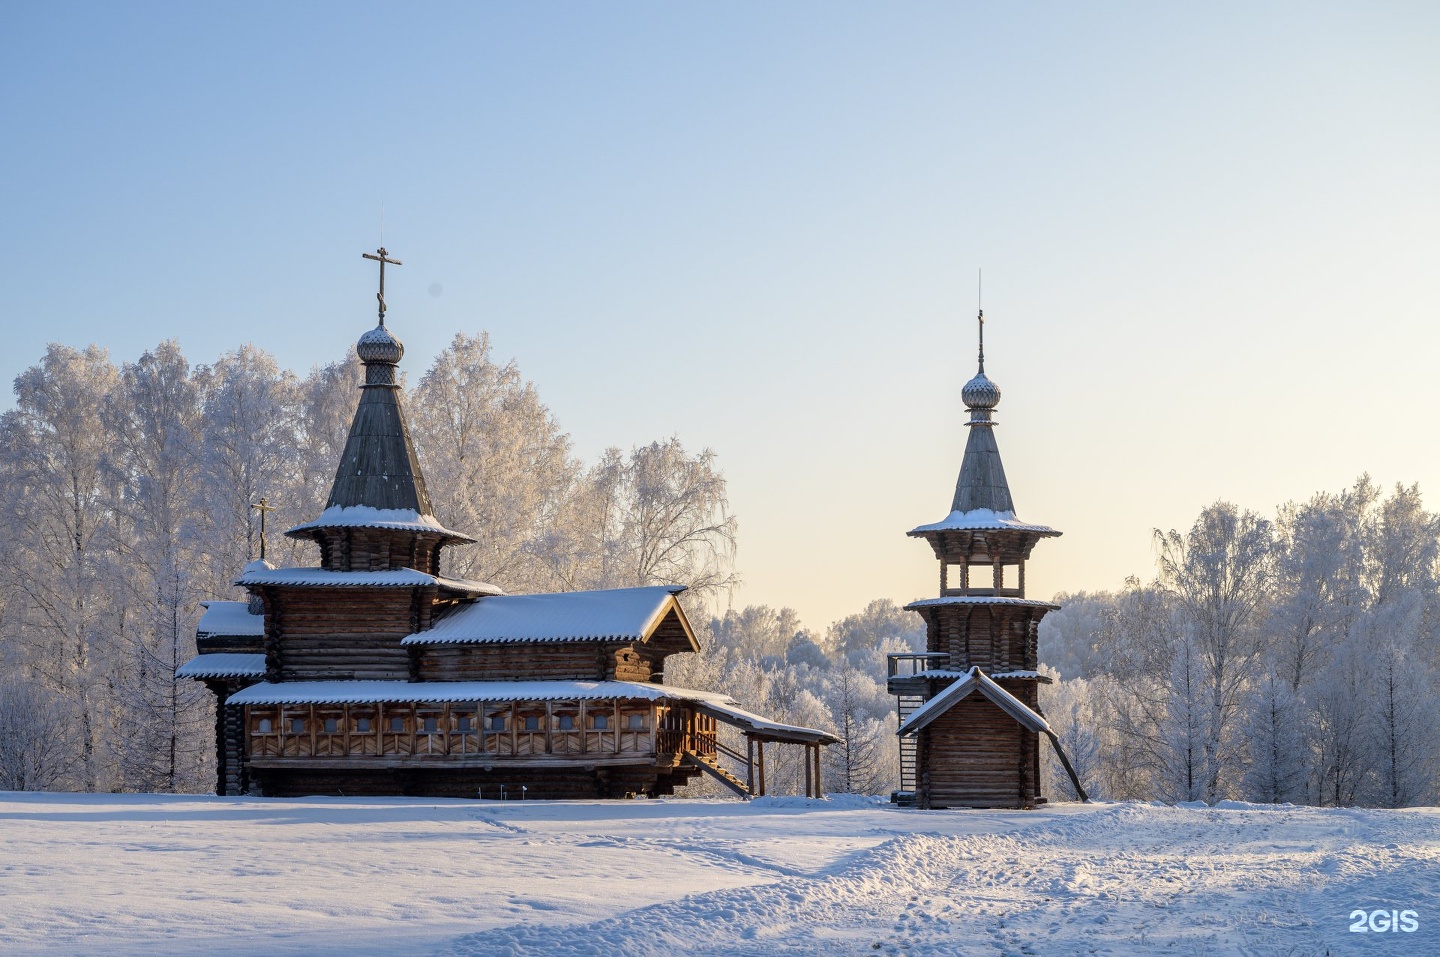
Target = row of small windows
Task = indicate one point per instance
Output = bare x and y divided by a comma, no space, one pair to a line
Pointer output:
464,724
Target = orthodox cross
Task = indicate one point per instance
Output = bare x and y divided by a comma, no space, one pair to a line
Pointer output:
263,507
382,257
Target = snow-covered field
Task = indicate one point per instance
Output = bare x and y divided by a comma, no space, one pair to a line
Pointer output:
158,875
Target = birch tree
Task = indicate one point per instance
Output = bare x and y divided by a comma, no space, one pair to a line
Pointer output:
59,525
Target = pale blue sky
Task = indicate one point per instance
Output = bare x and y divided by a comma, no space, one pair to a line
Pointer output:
1209,236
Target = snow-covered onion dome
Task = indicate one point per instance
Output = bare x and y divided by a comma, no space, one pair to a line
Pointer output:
980,393
378,345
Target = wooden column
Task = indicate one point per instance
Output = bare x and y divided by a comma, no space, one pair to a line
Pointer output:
808,784
819,781
760,751
549,720
750,764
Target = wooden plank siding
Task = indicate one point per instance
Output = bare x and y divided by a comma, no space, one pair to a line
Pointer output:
976,755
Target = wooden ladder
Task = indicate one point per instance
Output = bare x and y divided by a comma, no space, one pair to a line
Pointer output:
907,705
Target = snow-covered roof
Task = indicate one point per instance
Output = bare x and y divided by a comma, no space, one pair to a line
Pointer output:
980,600
229,618
727,710
980,520
625,614
357,692
222,665
365,516
395,577
975,680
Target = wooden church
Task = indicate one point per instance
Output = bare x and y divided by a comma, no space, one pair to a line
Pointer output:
377,674
970,720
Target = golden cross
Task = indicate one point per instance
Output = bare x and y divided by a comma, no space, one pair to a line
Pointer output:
382,257
263,507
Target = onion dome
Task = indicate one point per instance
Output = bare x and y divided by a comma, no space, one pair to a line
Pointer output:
980,393
379,345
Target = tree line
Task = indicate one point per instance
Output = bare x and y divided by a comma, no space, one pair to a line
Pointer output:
1293,659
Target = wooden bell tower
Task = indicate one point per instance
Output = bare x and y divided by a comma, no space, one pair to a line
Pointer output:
970,720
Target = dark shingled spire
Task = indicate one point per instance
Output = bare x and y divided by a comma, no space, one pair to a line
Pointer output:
982,477
378,467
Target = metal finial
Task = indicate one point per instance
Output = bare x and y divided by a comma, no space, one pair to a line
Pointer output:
263,507
981,317
382,258
979,303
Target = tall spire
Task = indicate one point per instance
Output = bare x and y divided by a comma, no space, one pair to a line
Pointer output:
378,468
982,476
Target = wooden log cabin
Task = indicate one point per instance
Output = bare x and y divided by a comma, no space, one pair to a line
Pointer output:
377,674
970,719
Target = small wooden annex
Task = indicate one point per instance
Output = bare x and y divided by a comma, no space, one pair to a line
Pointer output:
374,673
970,719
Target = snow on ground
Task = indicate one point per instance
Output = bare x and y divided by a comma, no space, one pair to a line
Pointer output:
159,875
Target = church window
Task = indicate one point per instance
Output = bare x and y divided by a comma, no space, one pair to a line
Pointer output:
600,722
637,722
497,722
397,725
332,726
432,725
532,723
567,723
262,726
464,724
297,725
362,725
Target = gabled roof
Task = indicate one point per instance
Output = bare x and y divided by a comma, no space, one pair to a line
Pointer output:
223,665
615,614
975,680
229,618
397,578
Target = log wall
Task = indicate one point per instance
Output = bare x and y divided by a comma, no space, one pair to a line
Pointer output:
342,633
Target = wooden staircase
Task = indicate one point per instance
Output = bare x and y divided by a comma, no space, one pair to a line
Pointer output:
712,767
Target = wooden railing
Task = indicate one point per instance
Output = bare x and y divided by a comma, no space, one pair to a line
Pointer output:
504,729
905,665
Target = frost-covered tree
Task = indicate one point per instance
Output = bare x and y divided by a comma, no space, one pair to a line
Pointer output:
153,417
58,529
1070,707
1278,752
249,449
658,515
1218,574
1403,728
496,463
37,747
756,631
